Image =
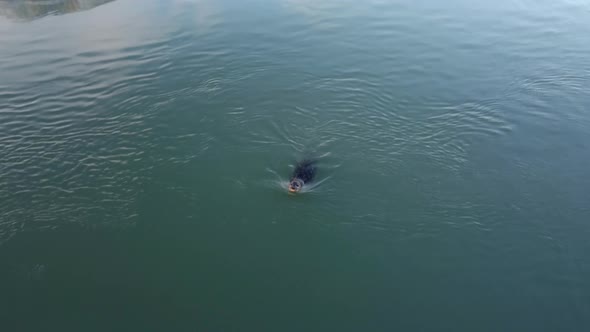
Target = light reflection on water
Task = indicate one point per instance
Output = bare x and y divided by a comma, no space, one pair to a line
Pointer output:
33,9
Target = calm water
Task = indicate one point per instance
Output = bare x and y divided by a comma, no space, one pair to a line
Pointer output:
144,147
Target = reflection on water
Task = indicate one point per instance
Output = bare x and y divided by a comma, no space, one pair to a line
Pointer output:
32,9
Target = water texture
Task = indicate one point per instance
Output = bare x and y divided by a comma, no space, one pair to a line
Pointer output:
145,147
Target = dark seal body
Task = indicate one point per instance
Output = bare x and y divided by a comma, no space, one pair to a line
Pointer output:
304,173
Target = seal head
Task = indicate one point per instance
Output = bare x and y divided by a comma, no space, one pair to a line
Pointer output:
295,185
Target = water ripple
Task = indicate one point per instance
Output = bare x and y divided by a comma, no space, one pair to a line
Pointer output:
77,128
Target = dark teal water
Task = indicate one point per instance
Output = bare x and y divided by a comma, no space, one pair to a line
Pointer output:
144,148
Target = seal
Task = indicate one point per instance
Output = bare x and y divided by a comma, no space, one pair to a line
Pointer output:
304,173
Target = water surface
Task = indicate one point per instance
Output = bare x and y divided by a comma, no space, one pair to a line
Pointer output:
144,144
